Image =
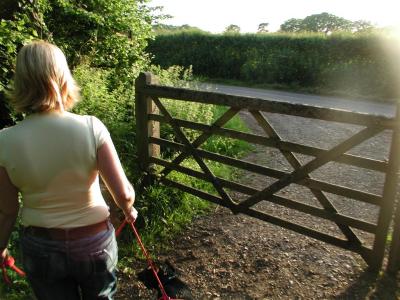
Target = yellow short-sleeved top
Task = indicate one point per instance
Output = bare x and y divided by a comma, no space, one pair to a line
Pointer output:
52,159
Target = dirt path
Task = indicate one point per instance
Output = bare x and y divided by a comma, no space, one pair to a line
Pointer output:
226,256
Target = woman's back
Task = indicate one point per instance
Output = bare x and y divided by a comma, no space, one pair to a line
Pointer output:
51,158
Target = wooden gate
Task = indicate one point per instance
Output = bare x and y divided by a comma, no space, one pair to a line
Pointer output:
150,111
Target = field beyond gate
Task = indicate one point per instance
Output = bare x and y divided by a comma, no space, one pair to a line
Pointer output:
301,164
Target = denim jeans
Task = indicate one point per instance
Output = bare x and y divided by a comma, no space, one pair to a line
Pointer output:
72,269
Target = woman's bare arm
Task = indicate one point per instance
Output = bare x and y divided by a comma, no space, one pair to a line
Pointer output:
114,177
9,207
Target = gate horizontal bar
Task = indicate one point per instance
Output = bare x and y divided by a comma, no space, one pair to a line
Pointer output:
237,163
362,250
349,159
289,203
269,105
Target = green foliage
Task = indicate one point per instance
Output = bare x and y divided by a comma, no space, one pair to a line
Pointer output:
20,289
20,22
12,35
115,107
113,34
226,146
173,75
329,63
232,29
325,23
389,238
292,25
168,29
105,34
17,27
263,28
362,26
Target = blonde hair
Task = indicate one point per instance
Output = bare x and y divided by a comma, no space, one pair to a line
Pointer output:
42,80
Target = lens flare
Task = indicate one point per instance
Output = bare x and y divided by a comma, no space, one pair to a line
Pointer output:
390,45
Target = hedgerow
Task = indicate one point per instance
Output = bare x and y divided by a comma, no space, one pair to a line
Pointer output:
360,64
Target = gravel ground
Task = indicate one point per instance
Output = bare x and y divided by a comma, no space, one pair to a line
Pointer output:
227,256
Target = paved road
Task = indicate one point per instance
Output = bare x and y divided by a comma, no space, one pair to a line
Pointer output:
360,106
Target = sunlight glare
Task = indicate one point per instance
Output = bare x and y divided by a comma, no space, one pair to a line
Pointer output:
391,48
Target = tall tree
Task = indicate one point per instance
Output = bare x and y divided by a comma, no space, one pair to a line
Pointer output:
263,28
323,22
292,25
232,29
326,23
363,26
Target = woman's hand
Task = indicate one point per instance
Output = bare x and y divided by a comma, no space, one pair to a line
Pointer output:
131,216
4,254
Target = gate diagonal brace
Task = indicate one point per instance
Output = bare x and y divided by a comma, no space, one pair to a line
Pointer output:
229,114
309,167
211,177
295,163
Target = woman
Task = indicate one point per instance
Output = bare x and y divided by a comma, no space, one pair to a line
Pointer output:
53,158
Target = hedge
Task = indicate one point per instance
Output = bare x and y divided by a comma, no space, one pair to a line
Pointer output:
353,63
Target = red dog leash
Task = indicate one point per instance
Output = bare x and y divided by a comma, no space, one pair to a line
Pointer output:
9,262
149,260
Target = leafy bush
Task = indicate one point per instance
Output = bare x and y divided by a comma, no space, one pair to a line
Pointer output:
115,107
113,33
109,34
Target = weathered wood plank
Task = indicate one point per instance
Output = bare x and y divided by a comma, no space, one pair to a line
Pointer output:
196,192
244,165
295,163
302,172
229,114
192,150
386,213
349,159
269,105
289,203
144,127
342,191
362,250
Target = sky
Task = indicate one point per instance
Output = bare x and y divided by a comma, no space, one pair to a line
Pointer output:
215,15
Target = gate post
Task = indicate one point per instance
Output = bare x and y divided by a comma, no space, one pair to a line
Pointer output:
389,197
394,254
145,128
